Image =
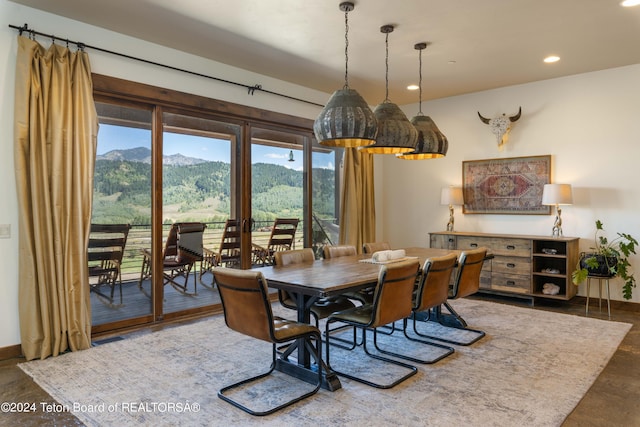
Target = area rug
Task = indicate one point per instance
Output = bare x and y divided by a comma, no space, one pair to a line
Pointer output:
531,369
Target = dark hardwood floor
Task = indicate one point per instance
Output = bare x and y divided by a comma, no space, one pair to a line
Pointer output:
611,401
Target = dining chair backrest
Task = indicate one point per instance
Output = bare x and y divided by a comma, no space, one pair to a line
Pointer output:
433,288
335,251
369,248
393,297
468,275
245,302
296,256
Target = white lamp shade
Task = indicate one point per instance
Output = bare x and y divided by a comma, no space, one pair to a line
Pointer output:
452,196
557,194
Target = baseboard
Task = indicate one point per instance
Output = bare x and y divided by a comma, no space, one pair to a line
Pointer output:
10,352
633,307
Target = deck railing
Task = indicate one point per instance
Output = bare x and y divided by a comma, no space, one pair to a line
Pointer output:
140,239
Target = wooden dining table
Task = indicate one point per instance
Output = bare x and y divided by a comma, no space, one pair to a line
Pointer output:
325,278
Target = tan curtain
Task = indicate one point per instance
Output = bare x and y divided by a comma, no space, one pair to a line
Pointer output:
357,205
55,141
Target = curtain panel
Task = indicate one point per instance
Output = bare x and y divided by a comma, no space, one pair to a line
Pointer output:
357,205
55,136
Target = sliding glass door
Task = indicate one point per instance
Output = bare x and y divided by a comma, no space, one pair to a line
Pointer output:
199,185
122,195
176,168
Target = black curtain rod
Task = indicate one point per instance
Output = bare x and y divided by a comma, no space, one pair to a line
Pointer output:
250,89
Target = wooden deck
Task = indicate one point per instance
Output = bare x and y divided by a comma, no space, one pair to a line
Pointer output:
137,302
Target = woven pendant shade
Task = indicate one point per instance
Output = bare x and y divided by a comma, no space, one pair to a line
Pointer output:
396,134
346,121
431,142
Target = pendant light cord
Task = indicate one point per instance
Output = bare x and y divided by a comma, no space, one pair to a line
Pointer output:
346,49
420,82
386,63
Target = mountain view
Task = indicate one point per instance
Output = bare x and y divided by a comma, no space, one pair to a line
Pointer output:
198,190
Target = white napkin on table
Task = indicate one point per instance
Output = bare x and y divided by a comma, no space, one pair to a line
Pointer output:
388,255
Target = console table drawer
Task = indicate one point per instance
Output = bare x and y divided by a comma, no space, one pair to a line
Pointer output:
497,245
511,265
511,283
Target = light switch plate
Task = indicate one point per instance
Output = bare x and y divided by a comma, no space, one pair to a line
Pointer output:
5,231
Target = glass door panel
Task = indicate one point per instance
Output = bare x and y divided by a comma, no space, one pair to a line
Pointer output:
326,184
122,195
278,180
199,182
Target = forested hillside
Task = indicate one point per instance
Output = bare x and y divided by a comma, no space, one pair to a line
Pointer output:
199,191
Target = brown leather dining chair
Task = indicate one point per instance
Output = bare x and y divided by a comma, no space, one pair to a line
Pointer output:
392,301
371,247
247,310
431,292
335,251
466,282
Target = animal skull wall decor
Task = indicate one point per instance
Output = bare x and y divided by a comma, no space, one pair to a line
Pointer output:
501,125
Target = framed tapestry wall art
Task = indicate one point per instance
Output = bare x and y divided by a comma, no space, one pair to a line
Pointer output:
506,186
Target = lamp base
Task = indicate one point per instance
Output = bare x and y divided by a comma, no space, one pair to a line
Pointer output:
556,231
450,223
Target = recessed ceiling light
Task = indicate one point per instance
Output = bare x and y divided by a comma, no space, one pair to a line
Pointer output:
630,3
413,87
551,59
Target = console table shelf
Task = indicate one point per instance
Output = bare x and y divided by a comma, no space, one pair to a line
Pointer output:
522,265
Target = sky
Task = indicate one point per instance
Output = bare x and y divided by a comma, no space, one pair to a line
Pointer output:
112,137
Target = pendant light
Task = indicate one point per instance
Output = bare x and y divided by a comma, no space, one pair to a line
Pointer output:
346,120
396,134
431,142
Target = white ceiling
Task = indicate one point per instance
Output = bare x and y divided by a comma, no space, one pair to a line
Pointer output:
494,43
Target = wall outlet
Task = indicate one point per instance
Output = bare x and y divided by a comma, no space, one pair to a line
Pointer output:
5,231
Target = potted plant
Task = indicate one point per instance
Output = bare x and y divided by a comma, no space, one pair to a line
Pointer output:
608,259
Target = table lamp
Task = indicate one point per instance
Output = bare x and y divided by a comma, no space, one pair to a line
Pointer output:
557,194
451,196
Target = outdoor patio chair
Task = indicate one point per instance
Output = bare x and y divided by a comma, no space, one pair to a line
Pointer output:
282,237
182,249
104,253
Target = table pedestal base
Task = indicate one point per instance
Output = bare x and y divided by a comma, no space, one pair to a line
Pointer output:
330,381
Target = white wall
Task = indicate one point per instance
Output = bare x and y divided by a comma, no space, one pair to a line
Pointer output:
568,118
589,125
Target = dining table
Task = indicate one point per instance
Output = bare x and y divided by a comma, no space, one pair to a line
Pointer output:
323,278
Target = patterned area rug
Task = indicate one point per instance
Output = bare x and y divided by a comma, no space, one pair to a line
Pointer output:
531,369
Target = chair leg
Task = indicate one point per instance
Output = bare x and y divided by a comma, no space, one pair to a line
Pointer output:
452,320
317,355
449,350
412,369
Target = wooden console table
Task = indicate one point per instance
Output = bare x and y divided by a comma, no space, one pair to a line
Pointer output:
522,264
